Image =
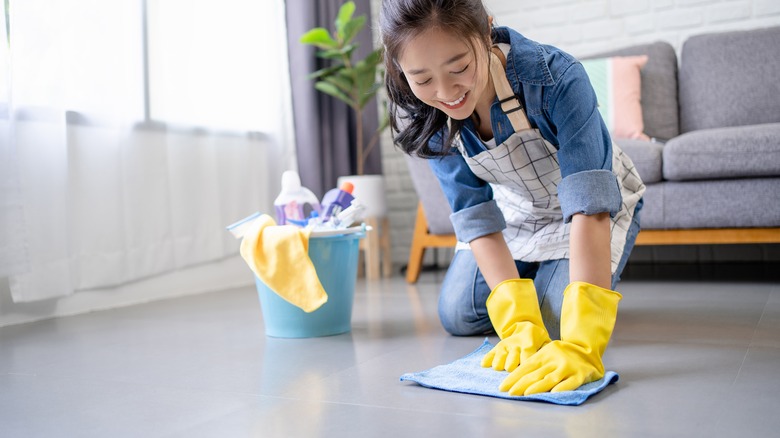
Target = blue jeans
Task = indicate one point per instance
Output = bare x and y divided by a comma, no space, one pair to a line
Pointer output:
462,308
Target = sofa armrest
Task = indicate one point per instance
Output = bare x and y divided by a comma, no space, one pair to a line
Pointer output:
647,158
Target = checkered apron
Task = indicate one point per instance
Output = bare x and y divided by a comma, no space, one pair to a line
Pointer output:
524,174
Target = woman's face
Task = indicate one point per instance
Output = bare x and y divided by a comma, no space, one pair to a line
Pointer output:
445,73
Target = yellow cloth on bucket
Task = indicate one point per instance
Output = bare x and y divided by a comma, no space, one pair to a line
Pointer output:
279,256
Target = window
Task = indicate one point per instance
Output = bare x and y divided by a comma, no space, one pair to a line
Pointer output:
196,63
215,64
5,83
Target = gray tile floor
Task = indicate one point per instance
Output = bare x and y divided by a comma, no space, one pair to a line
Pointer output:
696,359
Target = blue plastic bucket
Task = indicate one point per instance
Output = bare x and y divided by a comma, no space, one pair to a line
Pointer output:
335,259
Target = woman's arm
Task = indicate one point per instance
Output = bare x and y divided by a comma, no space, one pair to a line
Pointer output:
589,191
590,250
494,259
590,253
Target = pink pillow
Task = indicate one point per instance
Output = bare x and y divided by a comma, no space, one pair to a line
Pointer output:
617,83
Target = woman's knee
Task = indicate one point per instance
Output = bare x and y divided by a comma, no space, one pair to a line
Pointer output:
462,299
458,320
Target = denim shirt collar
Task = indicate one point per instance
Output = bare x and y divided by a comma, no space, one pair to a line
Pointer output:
526,62
527,66
502,130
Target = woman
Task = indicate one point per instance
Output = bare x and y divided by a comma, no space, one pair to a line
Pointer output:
545,206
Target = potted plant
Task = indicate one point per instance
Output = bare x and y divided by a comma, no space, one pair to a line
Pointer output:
353,81
356,82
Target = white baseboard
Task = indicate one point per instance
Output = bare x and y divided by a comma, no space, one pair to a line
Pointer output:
224,274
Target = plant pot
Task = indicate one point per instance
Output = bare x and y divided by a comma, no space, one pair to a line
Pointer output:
370,191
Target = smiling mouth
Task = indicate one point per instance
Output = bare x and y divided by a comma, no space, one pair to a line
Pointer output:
456,103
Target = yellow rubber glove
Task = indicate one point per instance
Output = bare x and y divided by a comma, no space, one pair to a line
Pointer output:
587,319
514,311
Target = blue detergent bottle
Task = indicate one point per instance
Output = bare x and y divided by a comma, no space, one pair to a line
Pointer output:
295,203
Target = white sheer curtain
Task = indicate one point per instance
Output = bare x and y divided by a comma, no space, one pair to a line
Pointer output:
126,147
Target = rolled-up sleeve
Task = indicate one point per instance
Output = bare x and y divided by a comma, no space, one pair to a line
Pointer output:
474,212
477,221
589,192
588,185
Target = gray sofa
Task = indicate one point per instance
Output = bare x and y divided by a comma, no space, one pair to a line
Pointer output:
713,170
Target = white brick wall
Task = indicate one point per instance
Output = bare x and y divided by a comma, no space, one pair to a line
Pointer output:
583,27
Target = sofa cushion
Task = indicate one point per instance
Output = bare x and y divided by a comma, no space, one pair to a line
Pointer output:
730,79
617,83
647,158
736,152
728,203
659,87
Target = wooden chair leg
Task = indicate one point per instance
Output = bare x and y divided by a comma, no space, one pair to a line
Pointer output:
384,243
417,251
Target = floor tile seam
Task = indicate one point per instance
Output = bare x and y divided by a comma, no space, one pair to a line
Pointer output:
349,369
699,344
758,345
719,418
18,374
383,407
637,303
55,376
741,365
623,340
747,347
726,294
758,324
152,386
763,313
196,425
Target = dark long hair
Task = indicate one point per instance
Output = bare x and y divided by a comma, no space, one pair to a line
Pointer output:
400,21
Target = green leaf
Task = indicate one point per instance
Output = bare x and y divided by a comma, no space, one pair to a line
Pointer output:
344,16
366,71
365,78
357,84
352,28
375,57
385,121
338,52
329,54
325,71
370,62
331,90
319,37
365,98
342,82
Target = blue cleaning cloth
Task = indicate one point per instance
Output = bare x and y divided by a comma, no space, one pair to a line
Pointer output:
467,375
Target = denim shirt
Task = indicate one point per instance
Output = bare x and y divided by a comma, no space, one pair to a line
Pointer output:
560,102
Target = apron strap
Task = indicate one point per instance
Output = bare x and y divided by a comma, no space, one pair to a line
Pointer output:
510,105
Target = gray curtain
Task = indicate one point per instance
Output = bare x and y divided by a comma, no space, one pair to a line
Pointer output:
325,126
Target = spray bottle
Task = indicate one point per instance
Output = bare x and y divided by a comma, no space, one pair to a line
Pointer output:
336,200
